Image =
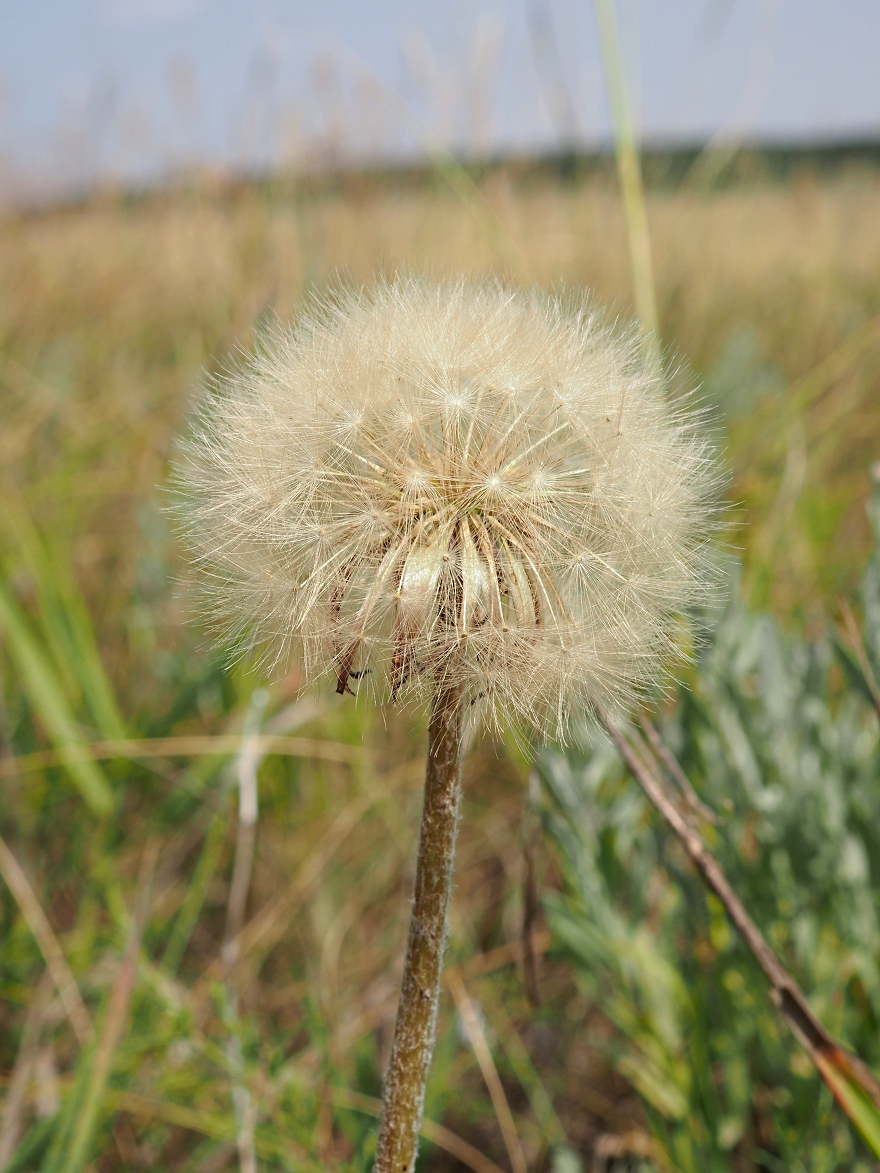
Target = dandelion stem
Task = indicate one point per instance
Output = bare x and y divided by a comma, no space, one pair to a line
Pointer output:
416,1025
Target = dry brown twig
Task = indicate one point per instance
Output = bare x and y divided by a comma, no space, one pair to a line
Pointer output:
670,762
854,639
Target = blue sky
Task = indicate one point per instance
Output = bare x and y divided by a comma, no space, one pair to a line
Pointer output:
134,87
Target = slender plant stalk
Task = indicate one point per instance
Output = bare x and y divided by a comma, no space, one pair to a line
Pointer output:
246,837
74,1153
629,170
56,963
470,1019
416,1025
15,1104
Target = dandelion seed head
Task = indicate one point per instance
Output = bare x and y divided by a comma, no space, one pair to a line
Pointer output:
426,482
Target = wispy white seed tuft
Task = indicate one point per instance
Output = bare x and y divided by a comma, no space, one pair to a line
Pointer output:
451,481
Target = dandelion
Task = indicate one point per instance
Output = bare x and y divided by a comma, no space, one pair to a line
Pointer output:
480,498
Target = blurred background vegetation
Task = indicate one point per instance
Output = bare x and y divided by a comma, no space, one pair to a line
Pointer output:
177,992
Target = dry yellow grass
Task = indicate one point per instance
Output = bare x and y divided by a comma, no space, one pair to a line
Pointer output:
109,311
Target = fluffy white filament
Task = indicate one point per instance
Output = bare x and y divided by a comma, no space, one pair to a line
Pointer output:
453,481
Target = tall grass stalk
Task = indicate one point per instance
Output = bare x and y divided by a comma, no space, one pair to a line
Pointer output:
470,1019
70,1150
245,843
629,168
15,1105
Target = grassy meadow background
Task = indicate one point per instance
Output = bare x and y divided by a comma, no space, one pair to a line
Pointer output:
216,1018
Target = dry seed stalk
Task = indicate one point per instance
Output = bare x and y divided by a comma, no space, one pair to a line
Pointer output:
416,1026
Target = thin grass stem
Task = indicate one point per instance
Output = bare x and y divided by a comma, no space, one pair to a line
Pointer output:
114,1025
16,1092
245,842
629,169
53,955
479,1045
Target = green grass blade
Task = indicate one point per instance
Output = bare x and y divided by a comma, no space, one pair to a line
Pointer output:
857,1093
64,1119
629,168
68,628
96,688
32,1146
46,695
196,893
113,1030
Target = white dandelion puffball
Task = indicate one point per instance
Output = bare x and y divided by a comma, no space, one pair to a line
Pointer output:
430,484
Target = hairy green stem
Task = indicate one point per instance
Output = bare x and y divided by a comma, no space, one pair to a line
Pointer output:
416,1026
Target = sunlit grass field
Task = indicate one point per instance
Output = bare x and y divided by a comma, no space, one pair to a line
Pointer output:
205,1010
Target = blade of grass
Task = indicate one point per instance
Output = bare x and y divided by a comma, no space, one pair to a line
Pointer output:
33,1145
68,629
113,1028
476,1036
53,955
196,892
856,644
299,713
855,1090
806,391
247,766
216,1127
172,747
50,704
267,926
629,169
524,1069
16,1093
248,809
531,838
511,954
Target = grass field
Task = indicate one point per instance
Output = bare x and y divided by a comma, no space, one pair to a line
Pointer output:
110,313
